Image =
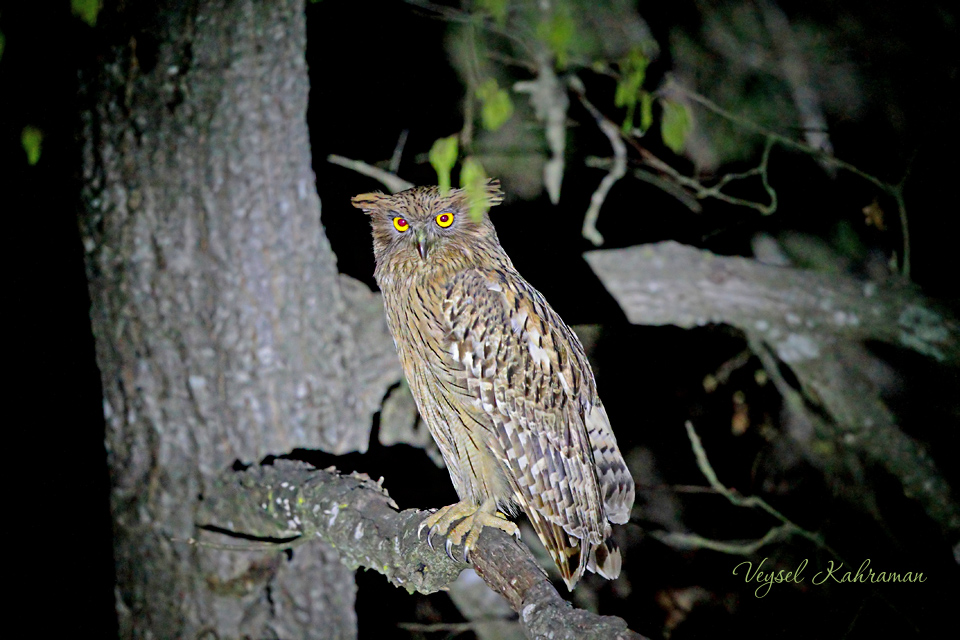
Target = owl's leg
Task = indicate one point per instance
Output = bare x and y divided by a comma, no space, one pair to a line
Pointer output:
473,519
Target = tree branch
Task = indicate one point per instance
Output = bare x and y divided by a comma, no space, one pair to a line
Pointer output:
391,181
814,323
796,311
294,503
822,155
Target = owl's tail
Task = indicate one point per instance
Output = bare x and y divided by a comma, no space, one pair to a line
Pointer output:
567,552
605,559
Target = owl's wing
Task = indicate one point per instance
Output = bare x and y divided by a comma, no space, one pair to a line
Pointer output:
525,370
615,479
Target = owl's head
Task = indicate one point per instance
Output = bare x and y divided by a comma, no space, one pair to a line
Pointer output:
419,226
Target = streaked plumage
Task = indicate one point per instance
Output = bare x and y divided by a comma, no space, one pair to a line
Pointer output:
501,382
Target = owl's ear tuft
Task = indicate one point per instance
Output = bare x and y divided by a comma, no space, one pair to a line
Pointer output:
493,193
479,197
368,201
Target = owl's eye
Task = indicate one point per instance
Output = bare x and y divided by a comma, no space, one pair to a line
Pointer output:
445,219
400,224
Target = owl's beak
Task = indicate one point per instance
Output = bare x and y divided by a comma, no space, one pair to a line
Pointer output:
423,244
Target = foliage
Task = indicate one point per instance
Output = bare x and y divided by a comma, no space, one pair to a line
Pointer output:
474,180
496,106
676,125
443,155
496,8
31,138
557,31
633,71
87,10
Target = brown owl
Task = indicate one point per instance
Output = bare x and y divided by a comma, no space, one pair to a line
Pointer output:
501,382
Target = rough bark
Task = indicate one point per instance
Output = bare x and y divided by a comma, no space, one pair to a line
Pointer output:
355,516
815,324
223,331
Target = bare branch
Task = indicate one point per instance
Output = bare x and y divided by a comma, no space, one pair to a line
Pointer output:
392,182
550,103
670,283
398,152
355,516
814,323
617,169
895,191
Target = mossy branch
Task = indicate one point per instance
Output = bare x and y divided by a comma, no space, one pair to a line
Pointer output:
292,503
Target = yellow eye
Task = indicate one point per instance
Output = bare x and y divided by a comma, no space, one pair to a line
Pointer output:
400,224
445,219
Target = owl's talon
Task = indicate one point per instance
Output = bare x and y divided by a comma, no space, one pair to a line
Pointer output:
448,546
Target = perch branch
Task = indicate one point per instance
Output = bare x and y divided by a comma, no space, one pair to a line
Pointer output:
354,515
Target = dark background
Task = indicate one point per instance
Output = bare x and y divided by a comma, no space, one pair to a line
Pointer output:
378,71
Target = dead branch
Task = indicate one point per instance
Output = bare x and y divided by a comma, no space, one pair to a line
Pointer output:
391,181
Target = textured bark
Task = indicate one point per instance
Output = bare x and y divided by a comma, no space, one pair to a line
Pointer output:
223,331
355,516
815,324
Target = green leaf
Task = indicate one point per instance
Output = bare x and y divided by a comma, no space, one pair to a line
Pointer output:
443,155
496,8
32,140
3,42
496,106
646,110
558,33
473,179
86,10
676,125
633,71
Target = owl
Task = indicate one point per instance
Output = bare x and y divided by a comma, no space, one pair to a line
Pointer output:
501,382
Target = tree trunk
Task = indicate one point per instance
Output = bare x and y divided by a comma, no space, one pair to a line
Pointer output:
223,330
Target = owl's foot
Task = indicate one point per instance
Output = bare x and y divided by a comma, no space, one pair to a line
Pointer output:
473,519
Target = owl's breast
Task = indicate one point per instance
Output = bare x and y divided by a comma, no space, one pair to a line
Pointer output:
414,309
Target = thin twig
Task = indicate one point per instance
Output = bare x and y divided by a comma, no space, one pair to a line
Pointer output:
737,362
686,541
742,501
451,14
893,190
671,188
702,192
392,182
618,168
398,151
472,80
